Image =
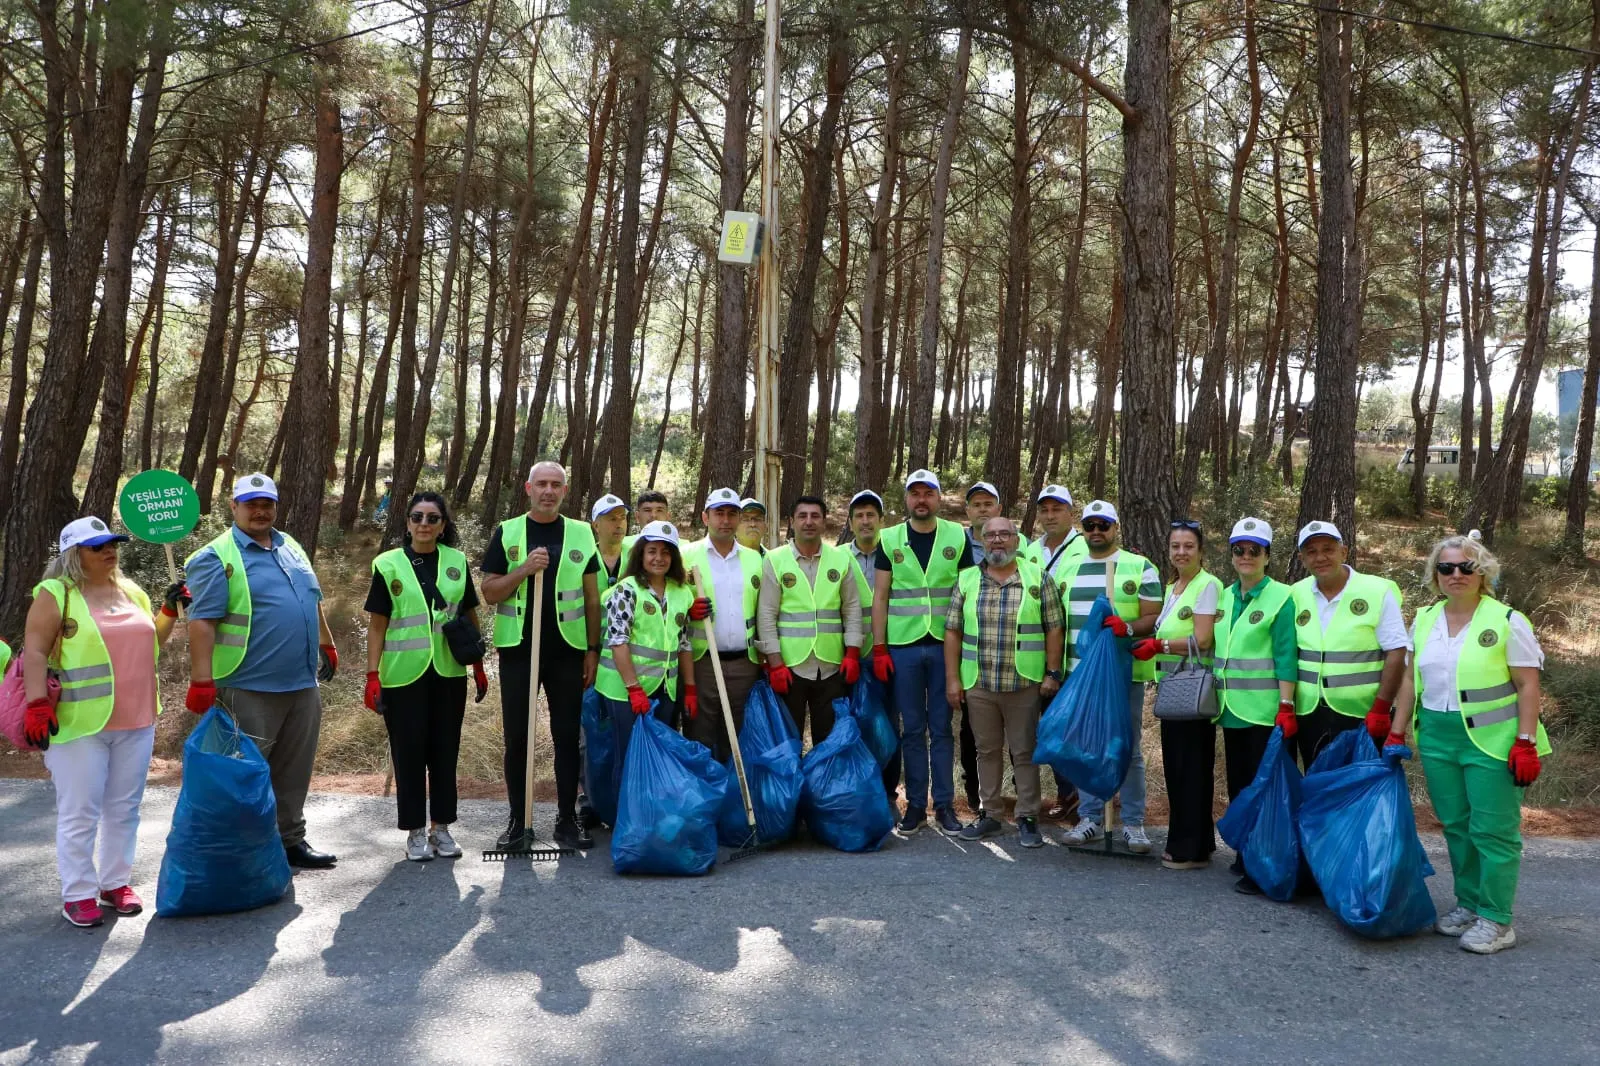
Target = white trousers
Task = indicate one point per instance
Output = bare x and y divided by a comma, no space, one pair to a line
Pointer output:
99,783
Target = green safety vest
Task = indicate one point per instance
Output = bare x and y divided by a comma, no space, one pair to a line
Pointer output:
1247,680
918,600
577,548
694,558
864,590
88,683
5,656
1178,626
415,637
1124,589
603,579
1483,680
1027,631
233,628
653,642
1342,666
809,619
1036,553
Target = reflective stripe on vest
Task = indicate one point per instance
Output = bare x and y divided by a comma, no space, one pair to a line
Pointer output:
1126,578
652,644
1484,687
696,557
1027,632
1247,681
1342,665
415,635
917,599
577,548
88,683
233,628
809,618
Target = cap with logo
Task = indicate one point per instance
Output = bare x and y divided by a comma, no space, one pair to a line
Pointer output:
1318,529
605,505
750,503
254,487
665,532
87,533
983,486
866,496
1251,529
924,477
1100,509
1058,493
723,498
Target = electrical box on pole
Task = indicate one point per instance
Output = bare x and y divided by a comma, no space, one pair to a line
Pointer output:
743,233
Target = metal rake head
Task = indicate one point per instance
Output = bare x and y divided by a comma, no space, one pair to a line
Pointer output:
529,847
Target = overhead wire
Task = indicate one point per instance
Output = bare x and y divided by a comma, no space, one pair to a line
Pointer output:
1440,27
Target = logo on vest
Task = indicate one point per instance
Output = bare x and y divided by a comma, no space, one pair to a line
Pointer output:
575,555
1488,638
512,553
453,573
833,575
69,629
1129,587
1358,607
1302,618
949,553
755,581
227,571
680,618
395,587
1185,613
1256,617
788,581
899,556
649,608
1033,590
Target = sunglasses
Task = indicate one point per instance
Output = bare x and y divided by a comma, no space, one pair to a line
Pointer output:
431,518
1466,569
1095,525
1185,523
1241,550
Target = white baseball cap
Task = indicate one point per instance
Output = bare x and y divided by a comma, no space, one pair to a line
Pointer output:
605,505
723,498
1318,529
665,532
866,495
983,486
1058,493
87,533
1254,530
925,477
750,503
254,487
1100,509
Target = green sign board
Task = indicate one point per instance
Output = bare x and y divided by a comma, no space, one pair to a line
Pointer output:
159,506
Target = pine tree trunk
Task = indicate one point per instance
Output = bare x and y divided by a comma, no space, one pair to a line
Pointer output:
1578,487
870,435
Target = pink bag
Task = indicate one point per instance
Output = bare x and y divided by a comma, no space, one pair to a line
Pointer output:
14,703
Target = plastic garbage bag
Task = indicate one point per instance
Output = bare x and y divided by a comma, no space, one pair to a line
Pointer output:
771,751
843,801
600,755
1260,822
1359,835
667,806
223,851
867,705
766,721
1351,746
1086,735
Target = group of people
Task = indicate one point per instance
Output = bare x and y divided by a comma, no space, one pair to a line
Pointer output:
947,617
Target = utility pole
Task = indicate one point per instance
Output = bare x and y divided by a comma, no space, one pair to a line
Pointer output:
768,462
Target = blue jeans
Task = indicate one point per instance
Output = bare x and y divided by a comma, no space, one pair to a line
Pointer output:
1132,791
925,717
622,718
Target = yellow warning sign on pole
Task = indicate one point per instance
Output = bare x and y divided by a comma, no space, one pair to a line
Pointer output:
741,237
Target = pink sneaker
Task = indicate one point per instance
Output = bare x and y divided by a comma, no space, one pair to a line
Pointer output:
83,913
122,900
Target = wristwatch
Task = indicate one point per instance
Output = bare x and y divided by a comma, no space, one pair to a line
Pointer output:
1054,675
1529,737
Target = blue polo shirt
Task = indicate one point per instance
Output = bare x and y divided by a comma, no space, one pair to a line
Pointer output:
284,594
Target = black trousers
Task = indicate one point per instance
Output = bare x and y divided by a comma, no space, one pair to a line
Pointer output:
424,723
1242,748
814,698
1314,730
561,677
968,746
1188,756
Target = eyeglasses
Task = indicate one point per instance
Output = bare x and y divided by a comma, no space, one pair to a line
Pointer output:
1467,568
1096,525
1185,523
1241,550
1002,534
431,518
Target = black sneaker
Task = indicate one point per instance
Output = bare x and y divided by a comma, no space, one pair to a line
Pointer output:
983,827
1028,833
514,833
588,818
570,834
911,822
947,821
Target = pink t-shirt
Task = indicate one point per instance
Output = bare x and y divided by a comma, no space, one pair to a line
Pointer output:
130,637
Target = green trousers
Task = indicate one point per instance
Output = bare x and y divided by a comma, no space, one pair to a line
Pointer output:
1480,807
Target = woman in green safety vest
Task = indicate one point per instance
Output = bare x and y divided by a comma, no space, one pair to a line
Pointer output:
92,628
1186,625
1473,688
413,679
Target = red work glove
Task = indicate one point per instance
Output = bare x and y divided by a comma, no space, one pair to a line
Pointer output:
1523,761
480,682
374,690
638,702
700,609
201,695
851,667
39,724
1394,738
779,678
330,662
1145,649
882,665
1378,720
1116,625
691,702
177,593
1287,721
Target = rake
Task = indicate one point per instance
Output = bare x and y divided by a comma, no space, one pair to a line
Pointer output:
528,845
1109,849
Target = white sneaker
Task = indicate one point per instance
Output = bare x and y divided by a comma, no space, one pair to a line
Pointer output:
1486,937
1133,836
444,845
1085,832
1456,922
417,847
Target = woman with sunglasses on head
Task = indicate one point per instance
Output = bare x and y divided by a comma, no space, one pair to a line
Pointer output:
1474,689
1256,662
93,628
1186,627
413,679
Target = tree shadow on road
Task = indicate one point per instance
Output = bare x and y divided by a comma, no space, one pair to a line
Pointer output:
401,929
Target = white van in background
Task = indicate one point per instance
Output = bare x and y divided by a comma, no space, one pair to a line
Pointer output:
1444,460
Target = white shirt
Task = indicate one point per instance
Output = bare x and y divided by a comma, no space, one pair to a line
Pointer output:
727,579
1391,628
1049,565
1205,601
1436,660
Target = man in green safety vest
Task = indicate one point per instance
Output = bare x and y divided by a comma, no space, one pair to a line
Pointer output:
569,650
730,575
753,524
983,503
651,506
1059,540
258,644
808,621
609,517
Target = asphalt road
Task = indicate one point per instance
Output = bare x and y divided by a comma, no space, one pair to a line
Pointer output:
926,952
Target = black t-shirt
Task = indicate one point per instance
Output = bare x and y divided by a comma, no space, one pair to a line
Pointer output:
549,536
426,567
921,545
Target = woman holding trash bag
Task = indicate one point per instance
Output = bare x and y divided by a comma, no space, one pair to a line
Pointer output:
647,644
1474,688
413,678
1188,748
93,627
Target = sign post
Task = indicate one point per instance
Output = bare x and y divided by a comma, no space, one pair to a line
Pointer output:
160,507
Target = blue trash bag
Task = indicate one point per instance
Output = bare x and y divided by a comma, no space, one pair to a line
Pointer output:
1359,835
223,851
1086,735
1343,749
767,722
600,755
843,801
770,745
671,791
867,705
1260,822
